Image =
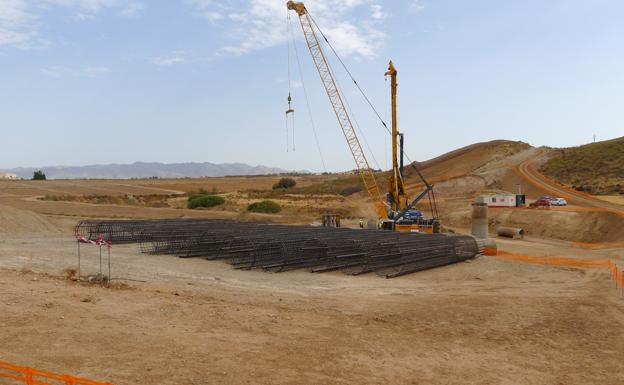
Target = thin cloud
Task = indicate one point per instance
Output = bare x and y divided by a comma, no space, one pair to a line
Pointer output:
20,19
377,12
53,72
10,37
416,6
169,60
14,22
86,72
132,9
213,17
260,24
89,8
96,72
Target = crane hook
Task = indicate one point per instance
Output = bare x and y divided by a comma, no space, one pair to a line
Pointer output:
289,110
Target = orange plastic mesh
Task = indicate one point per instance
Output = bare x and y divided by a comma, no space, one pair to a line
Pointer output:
491,251
599,246
554,261
30,376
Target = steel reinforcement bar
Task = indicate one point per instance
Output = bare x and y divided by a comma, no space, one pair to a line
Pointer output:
276,248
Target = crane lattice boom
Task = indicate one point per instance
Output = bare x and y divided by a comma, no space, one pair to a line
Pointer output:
336,100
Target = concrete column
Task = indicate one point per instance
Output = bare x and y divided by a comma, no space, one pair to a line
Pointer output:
480,220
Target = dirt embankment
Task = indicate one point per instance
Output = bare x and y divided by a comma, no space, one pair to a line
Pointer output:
505,168
572,226
596,168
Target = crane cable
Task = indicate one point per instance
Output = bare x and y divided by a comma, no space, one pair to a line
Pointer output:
434,209
289,89
290,111
357,125
305,92
350,75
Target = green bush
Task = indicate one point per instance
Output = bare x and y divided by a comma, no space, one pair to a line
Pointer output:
284,183
264,207
195,201
39,175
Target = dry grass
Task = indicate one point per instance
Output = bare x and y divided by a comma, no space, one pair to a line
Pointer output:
166,198
597,168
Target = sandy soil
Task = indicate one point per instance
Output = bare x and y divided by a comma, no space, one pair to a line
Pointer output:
199,322
191,321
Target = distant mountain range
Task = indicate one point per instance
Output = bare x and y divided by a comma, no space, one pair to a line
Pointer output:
147,170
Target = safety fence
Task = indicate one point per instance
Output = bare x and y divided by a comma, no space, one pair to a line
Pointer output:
553,260
30,376
599,246
617,273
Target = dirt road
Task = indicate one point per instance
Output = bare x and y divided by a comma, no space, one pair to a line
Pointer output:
528,171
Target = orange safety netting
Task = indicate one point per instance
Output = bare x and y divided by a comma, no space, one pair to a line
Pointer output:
598,246
490,251
554,261
617,274
30,376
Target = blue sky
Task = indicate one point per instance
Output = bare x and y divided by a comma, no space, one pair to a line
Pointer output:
113,81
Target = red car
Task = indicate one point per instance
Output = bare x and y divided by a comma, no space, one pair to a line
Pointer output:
540,203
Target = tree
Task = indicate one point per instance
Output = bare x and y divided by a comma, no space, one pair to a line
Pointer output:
284,183
39,175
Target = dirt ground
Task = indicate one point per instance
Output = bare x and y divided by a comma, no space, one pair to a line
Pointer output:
193,321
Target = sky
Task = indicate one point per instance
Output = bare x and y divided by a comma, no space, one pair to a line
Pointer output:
118,81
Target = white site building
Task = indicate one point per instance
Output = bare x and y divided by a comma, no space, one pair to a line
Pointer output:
504,200
8,175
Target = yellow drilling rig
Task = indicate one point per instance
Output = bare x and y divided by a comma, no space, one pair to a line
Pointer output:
395,212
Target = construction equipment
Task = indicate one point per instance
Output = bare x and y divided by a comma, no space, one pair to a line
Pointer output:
279,248
290,123
395,212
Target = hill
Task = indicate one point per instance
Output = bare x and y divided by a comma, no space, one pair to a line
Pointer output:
148,170
597,168
468,159
475,167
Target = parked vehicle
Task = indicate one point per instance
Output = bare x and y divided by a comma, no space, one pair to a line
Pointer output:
540,203
559,202
554,201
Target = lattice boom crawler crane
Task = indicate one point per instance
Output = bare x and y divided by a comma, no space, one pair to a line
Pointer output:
395,212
